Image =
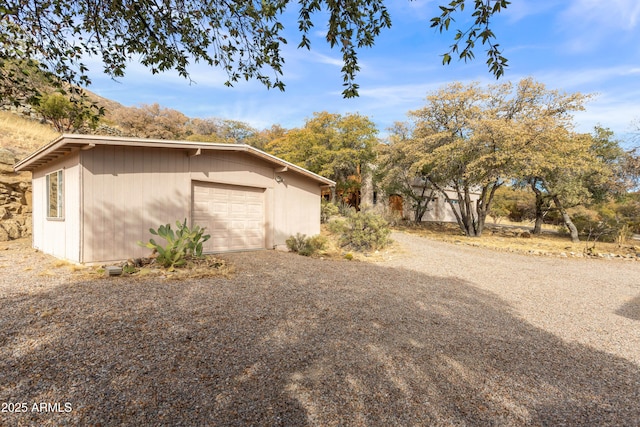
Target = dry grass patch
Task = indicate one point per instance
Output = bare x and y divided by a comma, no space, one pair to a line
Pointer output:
518,238
24,135
333,250
195,268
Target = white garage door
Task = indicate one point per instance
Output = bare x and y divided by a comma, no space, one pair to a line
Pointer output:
234,216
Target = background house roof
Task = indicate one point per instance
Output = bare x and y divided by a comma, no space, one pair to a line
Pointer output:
68,143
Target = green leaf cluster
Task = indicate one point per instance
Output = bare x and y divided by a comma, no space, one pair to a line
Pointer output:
67,114
480,30
181,244
244,39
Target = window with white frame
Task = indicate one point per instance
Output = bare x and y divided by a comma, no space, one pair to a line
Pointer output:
55,195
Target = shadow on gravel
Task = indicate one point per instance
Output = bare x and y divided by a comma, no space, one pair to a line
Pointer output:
630,310
323,343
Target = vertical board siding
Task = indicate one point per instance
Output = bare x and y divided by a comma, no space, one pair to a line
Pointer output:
297,208
128,190
58,237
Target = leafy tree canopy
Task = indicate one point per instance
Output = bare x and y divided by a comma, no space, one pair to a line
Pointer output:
225,131
243,38
331,145
472,140
151,121
64,114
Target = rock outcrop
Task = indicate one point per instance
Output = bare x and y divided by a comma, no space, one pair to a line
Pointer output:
15,199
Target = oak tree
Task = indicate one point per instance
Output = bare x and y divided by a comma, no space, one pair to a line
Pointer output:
340,147
225,131
65,114
151,121
470,141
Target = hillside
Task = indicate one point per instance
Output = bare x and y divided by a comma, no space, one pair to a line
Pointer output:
22,135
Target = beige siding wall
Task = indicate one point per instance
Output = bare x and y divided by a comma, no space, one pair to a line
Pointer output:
58,237
298,208
127,190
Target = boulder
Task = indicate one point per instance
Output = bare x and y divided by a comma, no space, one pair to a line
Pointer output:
26,229
14,207
4,214
12,227
7,157
5,168
4,236
9,180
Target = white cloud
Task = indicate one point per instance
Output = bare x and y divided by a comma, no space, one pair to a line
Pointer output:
522,9
612,14
324,59
570,79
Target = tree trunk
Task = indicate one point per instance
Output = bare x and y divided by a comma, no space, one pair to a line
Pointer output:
573,231
483,205
421,204
418,213
537,228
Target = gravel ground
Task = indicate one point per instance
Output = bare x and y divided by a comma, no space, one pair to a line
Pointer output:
437,334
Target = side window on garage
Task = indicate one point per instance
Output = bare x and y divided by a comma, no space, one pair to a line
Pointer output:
55,195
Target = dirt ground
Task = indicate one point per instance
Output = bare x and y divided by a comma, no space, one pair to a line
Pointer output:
432,334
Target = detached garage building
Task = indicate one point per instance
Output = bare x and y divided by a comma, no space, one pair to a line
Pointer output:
94,197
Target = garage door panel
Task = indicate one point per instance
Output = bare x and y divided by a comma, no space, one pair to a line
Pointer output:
254,209
234,216
237,225
219,207
199,207
238,208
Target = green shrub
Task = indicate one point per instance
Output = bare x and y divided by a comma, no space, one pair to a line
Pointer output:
180,245
602,223
296,243
327,210
306,246
362,231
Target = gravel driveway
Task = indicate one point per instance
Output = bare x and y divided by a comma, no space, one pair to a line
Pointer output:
437,335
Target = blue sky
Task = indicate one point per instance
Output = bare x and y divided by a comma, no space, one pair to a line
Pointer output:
588,46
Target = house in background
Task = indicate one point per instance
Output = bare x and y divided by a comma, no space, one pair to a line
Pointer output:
95,197
438,209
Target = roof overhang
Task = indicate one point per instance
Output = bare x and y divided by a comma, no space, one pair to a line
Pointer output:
69,143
